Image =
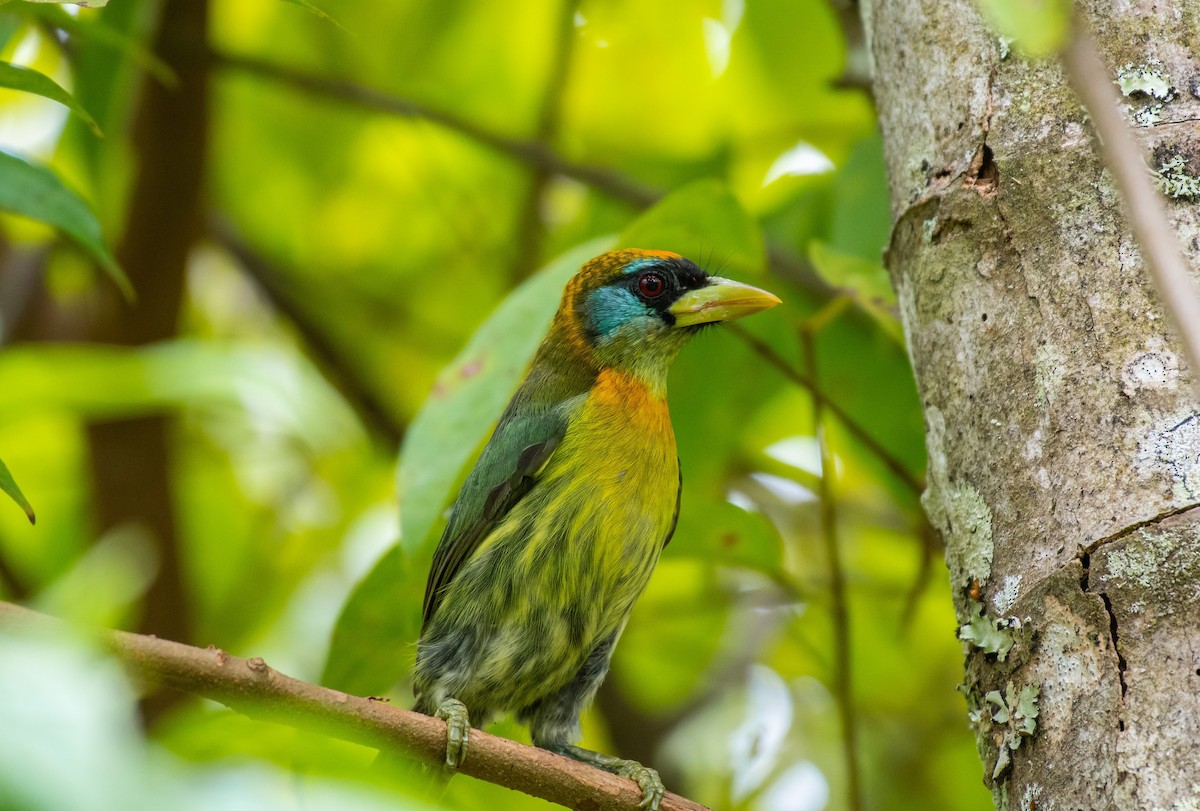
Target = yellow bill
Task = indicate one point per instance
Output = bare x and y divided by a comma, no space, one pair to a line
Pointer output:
720,300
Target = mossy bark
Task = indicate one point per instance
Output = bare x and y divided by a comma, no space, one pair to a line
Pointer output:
1062,424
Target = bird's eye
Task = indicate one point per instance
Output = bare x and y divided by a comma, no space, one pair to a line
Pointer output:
651,285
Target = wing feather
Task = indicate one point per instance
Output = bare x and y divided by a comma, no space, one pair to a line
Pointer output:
506,471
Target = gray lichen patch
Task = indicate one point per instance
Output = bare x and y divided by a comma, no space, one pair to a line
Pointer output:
1152,369
1008,593
1138,560
1069,668
1146,80
1170,447
1155,565
958,510
1048,366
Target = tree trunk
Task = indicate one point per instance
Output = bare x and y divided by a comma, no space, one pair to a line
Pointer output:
130,457
1061,422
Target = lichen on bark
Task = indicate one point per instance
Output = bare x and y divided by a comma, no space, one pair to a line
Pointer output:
1063,435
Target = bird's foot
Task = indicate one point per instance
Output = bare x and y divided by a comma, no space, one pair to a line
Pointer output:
458,730
648,779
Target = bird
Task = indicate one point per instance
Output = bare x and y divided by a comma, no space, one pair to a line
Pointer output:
559,524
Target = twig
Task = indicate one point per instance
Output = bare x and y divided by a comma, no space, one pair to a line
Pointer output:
839,609
893,464
535,153
930,544
332,360
250,687
611,183
1151,227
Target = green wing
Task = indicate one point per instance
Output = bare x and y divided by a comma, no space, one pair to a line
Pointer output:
507,469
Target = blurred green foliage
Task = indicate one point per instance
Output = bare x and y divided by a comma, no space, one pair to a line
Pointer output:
395,194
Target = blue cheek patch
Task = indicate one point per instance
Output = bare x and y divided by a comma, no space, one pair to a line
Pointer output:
610,308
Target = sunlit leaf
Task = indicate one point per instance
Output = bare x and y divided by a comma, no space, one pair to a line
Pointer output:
9,485
27,80
1037,27
375,630
673,635
36,192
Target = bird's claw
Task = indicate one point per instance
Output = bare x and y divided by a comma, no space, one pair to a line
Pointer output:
646,778
458,730
651,784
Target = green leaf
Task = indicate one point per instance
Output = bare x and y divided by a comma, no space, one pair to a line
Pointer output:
9,485
105,382
377,627
36,192
840,269
92,29
1037,27
704,222
31,81
868,281
374,640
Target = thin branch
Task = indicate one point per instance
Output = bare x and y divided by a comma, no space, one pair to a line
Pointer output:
607,181
532,152
251,688
842,687
907,477
930,545
372,410
1092,82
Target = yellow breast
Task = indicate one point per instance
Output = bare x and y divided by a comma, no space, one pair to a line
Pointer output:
616,474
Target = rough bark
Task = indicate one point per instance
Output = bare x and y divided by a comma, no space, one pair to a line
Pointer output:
1061,425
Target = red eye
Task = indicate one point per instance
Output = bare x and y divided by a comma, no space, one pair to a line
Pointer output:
651,285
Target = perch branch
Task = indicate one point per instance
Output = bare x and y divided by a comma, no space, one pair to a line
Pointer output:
1151,226
252,688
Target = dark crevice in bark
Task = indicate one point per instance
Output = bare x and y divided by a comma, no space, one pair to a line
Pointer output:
1112,632
1126,531
983,175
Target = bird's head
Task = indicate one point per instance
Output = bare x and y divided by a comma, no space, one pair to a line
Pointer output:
633,310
